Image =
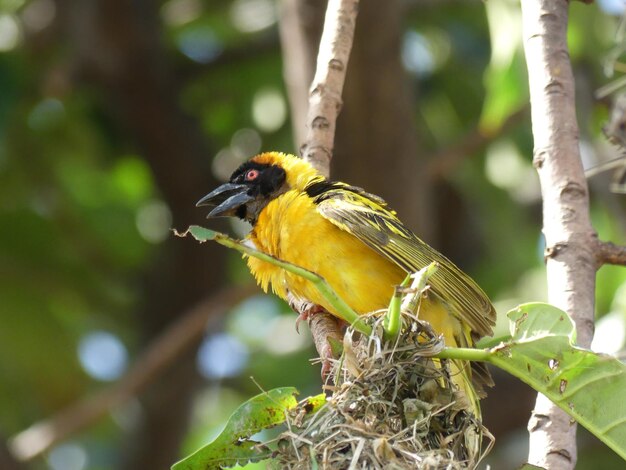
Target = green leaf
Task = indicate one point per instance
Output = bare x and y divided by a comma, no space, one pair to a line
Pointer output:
314,403
202,234
588,386
233,445
541,352
531,321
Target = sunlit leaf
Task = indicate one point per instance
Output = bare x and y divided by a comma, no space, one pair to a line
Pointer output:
233,445
588,386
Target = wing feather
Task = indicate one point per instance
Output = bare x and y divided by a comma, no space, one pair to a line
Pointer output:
367,218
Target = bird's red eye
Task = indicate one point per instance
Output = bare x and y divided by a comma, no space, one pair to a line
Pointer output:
251,175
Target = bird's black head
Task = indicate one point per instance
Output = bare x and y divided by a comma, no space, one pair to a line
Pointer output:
248,191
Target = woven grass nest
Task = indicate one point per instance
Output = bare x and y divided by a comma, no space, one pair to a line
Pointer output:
393,407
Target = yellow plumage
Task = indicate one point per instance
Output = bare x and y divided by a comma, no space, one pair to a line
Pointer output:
310,241
351,239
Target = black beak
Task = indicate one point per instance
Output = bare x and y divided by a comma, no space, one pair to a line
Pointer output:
226,198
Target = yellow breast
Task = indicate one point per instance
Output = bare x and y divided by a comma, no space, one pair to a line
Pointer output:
291,229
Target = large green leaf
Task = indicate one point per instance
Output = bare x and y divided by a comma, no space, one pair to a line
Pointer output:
590,387
233,445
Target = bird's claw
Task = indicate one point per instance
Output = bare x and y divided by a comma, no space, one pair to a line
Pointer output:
307,313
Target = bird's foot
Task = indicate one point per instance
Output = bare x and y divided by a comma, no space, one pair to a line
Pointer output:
323,325
327,332
307,313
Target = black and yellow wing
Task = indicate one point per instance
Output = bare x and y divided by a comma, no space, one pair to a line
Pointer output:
367,217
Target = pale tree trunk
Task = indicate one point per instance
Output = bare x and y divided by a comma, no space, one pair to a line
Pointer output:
300,27
570,238
325,101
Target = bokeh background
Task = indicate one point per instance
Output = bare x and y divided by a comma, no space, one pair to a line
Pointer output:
117,116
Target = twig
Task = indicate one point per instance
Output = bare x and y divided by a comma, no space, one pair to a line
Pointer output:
325,96
325,329
610,253
160,354
570,238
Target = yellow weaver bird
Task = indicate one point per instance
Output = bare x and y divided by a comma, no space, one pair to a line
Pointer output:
357,244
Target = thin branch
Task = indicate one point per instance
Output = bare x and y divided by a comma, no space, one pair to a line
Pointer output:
325,96
465,354
155,360
570,238
324,329
610,253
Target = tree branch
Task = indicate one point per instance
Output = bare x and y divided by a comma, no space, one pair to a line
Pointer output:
154,360
610,253
570,238
325,96
300,26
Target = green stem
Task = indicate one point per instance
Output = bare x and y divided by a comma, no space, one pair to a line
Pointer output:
408,302
392,322
466,354
342,309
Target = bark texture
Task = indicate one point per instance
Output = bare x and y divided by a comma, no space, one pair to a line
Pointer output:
570,238
300,25
325,100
